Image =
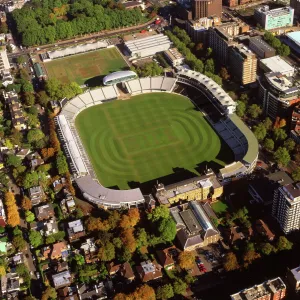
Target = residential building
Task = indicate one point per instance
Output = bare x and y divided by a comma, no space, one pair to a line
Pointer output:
49,227
261,48
36,195
166,257
278,95
263,229
243,64
22,152
295,124
150,202
36,162
55,251
286,207
90,251
61,279
149,270
206,8
194,226
59,184
262,189
293,276
198,29
233,234
68,293
6,78
4,63
174,57
221,39
92,291
197,188
44,212
295,4
276,64
123,270
9,283
147,46
17,259
2,215
274,18
273,289
75,230
292,39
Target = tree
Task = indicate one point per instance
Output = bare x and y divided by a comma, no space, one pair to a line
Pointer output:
230,262
165,292
106,251
241,109
179,286
43,98
32,121
13,161
268,123
13,217
283,244
209,66
249,256
19,242
159,212
289,144
79,259
279,134
16,137
224,73
61,163
260,131
128,239
254,111
29,216
269,144
49,293
266,248
35,238
282,123
4,28
281,156
296,174
134,215
167,229
141,238
29,99
35,135
244,97
47,153
2,270
186,260
21,59
30,179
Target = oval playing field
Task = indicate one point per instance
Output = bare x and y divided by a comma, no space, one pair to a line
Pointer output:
145,138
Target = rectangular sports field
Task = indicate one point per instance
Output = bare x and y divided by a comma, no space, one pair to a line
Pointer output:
87,68
145,138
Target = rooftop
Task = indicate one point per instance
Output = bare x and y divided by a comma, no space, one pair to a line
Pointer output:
296,273
277,12
277,64
292,192
260,43
76,226
60,279
295,37
281,82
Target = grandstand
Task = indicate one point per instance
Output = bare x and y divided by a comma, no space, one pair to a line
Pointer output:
119,76
226,123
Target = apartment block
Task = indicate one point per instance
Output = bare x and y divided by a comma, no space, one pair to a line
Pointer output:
243,64
286,207
206,8
293,277
274,18
273,289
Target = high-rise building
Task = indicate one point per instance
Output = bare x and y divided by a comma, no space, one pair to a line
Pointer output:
273,289
206,8
243,64
295,4
275,18
286,207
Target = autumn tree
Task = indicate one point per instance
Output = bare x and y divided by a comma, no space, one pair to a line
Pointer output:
249,256
49,293
134,215
186,260
13,217
96,224
47,153
106,251
19,242
26,203
128,239
230,262
144,292
224,74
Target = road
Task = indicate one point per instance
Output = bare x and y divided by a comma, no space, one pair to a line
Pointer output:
85,38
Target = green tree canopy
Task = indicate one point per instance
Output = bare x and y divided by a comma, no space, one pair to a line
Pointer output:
266,248
283,244
179,286
61,163
165,292
282,156
289,144
13,161
260,131
35,135
254,111
296,174
269,144
279,134
29,216
159,212
106,251
35,238
241,108
167,229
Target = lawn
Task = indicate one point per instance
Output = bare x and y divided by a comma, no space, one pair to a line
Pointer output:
88,68
145,138
219,207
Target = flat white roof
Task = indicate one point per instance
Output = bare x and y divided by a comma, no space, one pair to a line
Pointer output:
295,37
277,64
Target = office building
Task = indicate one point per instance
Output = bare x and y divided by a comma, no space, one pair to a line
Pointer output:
276,64
197,188
206,8
295,4
221,39
292,39
274,18
277,94
293,277
261,48
273,289
198,30
147,46
243,64
286,207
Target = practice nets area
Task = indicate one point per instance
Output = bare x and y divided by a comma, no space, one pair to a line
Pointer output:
88,68
145,138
